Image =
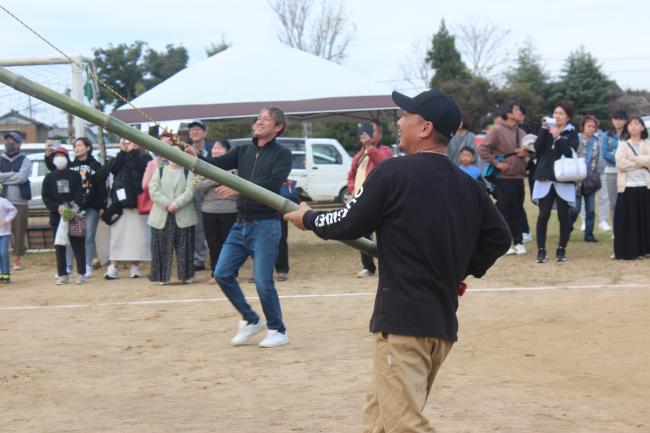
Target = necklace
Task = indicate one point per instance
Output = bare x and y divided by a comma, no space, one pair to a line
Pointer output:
431,151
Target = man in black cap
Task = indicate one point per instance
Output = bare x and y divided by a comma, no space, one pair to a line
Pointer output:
198,134
15,169
435,226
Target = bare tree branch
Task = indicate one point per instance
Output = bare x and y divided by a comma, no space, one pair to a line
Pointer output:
415,68
331,31
481,43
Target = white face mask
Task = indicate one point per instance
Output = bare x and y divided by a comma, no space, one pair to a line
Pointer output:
60,162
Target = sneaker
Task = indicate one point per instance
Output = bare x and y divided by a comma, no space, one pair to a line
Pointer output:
274,339
199,267
560,254
526,237
282,276
135,271
583,227
363,273
89,271
18,265
604,226
541,256
247,331
163,283
81,279
111,273
61,280
188,281
590,239
212,281
511,252
5,278
520,249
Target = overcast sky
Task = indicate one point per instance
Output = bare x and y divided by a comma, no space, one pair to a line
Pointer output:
385,30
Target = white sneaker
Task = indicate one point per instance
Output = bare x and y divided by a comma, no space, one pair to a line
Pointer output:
81,279
363,273
520,249
188,281
111,273
89,271
604,226
135,271
247,331
511,252
274,339
583,226
61,280
527,237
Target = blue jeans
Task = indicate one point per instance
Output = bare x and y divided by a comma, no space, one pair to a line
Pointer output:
92,220
258,239
4,254
590,212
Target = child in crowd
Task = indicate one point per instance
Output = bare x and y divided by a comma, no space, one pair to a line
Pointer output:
466,158
7,214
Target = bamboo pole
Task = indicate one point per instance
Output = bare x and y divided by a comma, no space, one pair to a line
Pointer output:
174,154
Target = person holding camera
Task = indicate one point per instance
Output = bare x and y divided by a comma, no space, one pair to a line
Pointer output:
556,138
372,153
501,148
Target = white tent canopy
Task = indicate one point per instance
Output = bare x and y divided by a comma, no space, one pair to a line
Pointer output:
239,81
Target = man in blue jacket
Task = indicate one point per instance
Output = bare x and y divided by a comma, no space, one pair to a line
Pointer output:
257,231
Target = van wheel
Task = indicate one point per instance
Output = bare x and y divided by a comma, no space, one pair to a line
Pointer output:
341,196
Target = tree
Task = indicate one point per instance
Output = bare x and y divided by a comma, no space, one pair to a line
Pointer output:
416,69
217,48
585,84
481,43
326,35
445,58
528,84
158,66
130,70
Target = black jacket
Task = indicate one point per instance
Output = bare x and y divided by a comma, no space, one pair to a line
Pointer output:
93,182
128,170
548,150
266,166
61,187
435,226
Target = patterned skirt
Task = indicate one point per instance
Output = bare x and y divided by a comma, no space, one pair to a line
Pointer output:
163,244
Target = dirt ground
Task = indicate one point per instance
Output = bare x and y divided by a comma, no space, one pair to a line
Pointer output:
129,356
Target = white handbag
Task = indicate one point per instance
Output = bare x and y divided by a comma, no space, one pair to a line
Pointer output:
572,169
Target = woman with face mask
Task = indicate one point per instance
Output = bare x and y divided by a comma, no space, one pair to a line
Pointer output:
62,187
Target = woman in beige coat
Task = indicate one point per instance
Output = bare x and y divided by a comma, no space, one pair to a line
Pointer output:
632,212
172,219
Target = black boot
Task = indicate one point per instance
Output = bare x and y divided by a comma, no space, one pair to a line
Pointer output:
541,256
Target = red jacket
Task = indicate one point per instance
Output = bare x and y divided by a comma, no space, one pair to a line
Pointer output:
376,154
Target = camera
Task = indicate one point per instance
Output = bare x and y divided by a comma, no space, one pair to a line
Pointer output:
548,121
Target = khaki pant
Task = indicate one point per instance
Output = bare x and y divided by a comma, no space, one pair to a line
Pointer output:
405,368
19,229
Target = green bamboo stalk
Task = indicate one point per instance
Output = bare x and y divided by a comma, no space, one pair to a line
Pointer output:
171,153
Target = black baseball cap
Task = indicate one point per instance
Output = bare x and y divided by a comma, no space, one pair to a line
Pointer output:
199,123
435,106
619,114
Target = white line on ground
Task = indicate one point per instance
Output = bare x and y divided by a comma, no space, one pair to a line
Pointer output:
318,295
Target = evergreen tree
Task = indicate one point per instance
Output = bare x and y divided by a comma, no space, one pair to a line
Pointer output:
585,84
445,58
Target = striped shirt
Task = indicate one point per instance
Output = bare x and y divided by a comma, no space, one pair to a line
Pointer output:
635,177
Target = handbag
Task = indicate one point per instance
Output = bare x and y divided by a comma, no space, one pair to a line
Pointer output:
592,183
573,169
145,204
77,226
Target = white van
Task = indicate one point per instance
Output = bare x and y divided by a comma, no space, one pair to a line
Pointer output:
320,166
